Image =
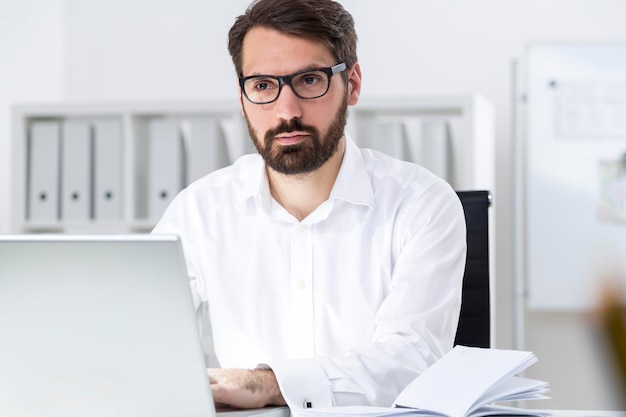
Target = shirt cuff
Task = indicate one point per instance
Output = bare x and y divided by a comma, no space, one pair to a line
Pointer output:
302,382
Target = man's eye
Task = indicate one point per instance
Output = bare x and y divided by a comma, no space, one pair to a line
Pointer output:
310,79
263,85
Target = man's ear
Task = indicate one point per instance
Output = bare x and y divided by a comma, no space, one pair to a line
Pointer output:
354,84
241,102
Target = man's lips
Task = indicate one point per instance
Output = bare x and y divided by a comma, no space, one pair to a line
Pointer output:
291,138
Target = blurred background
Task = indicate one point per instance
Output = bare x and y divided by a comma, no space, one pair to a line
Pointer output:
117,51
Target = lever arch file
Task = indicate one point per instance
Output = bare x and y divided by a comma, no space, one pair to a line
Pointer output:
108,169
431,146
390,137
166,172
43,171
76,196
207,145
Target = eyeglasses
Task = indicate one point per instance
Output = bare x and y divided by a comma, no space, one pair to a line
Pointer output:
308,84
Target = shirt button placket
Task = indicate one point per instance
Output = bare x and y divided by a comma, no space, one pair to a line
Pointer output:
302,291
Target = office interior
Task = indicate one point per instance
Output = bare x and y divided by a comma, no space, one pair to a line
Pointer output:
119,51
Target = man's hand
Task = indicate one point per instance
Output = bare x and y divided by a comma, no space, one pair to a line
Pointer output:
241,388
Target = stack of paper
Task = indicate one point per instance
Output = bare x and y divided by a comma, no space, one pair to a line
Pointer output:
465,382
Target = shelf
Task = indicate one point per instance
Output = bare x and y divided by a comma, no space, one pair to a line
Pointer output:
208,136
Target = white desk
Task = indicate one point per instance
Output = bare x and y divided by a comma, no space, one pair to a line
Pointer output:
585,413
266,412
284,412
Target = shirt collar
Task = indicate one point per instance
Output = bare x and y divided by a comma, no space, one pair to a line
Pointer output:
256,187
352,185
353,182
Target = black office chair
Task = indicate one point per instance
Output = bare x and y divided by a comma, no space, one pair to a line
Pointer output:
474,321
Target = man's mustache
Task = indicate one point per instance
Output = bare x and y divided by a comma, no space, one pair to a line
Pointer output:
292,125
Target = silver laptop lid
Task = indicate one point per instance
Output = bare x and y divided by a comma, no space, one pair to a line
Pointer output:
98,326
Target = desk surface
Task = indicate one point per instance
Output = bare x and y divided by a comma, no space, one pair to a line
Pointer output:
265,412
585,413
284,412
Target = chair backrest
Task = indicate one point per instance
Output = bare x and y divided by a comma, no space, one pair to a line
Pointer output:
474,322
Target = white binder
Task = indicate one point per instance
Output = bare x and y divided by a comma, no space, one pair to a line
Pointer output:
43,169
236,138
207,146
166,165
431,147
108,169
426,142
76,199
390,137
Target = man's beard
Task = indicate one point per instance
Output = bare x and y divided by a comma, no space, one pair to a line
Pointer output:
303,157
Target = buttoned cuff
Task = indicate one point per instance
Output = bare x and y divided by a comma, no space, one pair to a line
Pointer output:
302,382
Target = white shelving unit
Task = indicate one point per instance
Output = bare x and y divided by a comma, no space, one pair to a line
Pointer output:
135,121
469,122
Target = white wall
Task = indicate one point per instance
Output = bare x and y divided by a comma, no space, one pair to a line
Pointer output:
31,69
176,50
146,49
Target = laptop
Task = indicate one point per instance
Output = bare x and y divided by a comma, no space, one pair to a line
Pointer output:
101,326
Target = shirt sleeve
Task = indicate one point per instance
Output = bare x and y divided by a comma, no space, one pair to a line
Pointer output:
416,323
172,223
303,383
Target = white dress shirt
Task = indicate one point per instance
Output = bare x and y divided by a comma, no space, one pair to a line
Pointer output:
346,306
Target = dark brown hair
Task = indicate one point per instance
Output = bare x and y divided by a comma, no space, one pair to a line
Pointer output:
325,21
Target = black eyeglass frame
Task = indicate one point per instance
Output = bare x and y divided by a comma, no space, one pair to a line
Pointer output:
286,80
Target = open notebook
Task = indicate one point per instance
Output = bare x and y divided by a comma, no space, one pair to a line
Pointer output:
100,326
466,382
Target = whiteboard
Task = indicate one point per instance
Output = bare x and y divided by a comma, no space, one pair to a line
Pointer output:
575,172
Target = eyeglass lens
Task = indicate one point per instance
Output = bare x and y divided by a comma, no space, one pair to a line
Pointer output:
264,89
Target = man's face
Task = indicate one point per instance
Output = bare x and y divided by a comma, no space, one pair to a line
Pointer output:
293,135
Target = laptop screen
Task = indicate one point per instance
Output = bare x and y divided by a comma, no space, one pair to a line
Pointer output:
98,326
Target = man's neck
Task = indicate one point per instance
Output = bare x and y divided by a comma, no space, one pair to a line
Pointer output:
301,194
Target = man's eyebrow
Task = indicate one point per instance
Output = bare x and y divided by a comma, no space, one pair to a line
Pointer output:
310,67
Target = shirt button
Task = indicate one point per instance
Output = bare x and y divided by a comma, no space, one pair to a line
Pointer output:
301,285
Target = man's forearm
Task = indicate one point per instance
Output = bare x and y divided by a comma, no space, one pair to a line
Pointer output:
242,388
265,381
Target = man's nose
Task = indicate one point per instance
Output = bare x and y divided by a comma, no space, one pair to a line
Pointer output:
288,105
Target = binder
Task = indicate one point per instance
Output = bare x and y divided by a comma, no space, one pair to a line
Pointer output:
433,150
43,171
76,175
390,137
208,150
236,138
108,169
422,141
166,165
